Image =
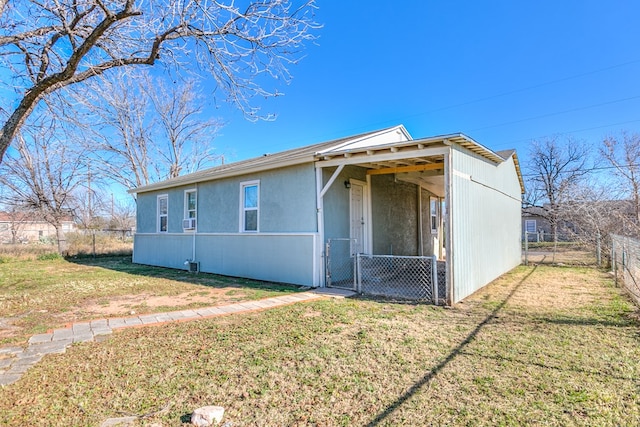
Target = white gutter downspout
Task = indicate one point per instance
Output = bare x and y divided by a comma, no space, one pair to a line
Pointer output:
320,192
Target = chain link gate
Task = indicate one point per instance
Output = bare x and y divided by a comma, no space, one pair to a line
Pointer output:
405,277
341,263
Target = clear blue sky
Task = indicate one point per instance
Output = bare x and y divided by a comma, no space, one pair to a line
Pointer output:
503,72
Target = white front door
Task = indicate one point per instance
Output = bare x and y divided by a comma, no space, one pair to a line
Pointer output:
358,209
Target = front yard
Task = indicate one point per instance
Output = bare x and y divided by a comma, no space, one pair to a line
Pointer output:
540,346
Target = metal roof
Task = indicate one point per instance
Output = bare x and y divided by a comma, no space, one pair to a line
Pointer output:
353,149
256,164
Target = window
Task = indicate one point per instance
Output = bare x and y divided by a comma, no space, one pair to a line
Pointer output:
434,215
530,225
190,210
190,204
250,201
163,213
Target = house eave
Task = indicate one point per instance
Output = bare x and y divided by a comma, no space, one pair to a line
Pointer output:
249,169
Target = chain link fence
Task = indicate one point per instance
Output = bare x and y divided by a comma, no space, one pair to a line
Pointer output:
403,277
625,264
568,250
341,264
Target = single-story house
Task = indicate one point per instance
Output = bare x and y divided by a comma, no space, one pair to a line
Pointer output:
292,216
26,227
535,224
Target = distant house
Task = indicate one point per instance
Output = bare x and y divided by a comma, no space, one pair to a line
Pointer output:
296,216
535,224
577,218
26,227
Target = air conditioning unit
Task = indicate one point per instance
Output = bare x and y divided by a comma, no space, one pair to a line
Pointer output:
194,267
189,223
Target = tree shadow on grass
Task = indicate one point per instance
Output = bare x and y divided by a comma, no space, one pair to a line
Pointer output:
426,379
125,265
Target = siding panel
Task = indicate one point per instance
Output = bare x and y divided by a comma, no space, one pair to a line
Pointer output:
485,215
286,258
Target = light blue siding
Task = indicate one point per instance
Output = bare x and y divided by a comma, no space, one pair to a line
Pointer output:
164,250
287,258
485,220
336,202
283,249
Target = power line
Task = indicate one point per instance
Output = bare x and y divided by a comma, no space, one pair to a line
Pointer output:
515,141
511,92
593,169
571,110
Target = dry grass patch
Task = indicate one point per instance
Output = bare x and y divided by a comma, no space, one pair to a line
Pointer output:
565,253
504,357
39,295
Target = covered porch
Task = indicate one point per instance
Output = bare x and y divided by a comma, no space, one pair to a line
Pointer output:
383,219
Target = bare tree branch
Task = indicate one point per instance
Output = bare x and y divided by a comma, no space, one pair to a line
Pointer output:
47,45
43,176
624,155
554,168
145,131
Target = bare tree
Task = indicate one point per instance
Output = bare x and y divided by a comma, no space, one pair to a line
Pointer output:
187,136
47,45
141,132
118,130
595,215
122,217
554,167
624,155
42,176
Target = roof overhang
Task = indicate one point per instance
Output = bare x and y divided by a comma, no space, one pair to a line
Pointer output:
412,160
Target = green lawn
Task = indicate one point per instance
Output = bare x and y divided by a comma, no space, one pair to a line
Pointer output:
38,295
540,346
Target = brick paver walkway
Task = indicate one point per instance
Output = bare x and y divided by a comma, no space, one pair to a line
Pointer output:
15,361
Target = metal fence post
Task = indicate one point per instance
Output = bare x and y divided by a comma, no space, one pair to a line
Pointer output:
327,263
434,279
356,274
526,248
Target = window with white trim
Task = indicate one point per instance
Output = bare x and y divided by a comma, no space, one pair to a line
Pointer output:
190,210
163,213
530,225
249,206
434,214
190,201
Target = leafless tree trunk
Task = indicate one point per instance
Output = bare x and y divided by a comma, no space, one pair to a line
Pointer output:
47,45
187,138
118,130
3,4
146,132
555,167
624,156
43,176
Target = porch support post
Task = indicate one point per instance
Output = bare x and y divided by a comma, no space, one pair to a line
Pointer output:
449,229
320,241
420,223
320,192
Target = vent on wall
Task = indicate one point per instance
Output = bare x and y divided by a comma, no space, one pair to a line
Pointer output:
194,267
189,223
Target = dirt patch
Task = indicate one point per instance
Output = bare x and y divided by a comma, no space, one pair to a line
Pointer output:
147,303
